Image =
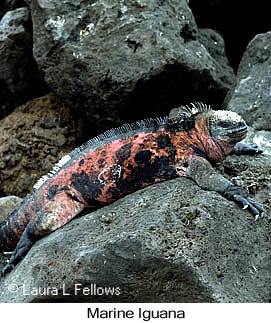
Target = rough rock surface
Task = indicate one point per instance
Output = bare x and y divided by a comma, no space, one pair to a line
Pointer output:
237,21
215,45
125,55
251,96
19,77
170,242
7,205
32,139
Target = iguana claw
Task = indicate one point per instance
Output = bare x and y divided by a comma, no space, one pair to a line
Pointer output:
259,215
7,269
236,194
247,203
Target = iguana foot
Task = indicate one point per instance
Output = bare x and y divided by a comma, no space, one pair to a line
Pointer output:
7,269
247,149
254,207
236,194
22,248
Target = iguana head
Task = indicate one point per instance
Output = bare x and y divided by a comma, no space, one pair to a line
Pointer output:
226,126
214,132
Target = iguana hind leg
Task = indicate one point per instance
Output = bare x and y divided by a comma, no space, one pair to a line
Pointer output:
55,214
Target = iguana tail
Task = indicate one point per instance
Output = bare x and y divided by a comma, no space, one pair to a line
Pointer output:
11,230
4,242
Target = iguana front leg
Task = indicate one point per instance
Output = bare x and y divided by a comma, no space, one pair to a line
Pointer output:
202,172
55,214
246,149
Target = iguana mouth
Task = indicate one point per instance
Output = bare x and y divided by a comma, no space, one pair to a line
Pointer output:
238,132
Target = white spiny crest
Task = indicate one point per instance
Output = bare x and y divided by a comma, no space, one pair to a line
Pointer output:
183,112
41,181
122,131
63,161
55,169
196,107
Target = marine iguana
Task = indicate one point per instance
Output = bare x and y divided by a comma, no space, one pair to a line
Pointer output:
125,159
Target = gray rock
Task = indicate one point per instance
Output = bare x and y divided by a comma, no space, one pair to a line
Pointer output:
19,77
170,242
7,205
214,42
139,56
262,138
251,96
215,45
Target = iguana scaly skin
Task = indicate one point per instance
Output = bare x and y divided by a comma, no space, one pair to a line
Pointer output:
125,159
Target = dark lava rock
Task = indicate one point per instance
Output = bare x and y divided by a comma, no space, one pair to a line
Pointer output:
7,5
237,21
19,76
215,45
251,96
32,139
170,242
134,57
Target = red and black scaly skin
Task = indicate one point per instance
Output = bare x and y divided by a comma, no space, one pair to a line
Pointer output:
122,161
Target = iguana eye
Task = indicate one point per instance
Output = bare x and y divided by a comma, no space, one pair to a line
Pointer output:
225,124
